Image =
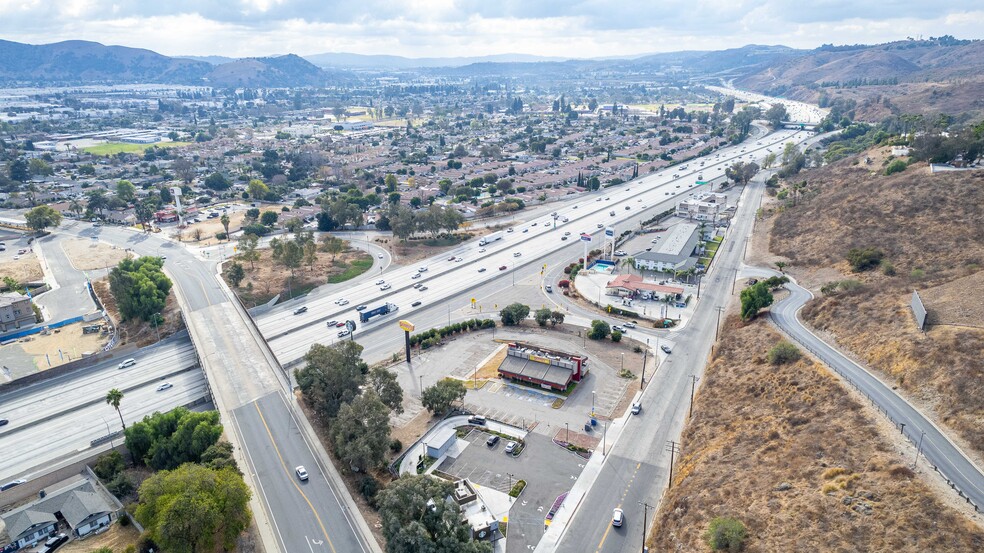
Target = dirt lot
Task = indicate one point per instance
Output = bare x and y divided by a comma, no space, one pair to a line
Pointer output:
848,206
87,255
265,278
116,538
67,339
210,227
25,269
412,251
790,453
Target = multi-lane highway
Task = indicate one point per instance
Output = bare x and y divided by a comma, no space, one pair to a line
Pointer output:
56,418
448,280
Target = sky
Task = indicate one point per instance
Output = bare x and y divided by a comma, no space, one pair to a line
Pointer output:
445,28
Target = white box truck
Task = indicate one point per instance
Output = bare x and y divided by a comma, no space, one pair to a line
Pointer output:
488,239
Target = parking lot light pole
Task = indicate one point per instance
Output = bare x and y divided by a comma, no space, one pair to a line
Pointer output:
592,402
568,438
509,474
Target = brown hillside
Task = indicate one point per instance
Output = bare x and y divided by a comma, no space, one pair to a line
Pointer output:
930,229
787,451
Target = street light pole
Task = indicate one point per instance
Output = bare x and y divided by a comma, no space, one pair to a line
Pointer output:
645,351
568,438
592,402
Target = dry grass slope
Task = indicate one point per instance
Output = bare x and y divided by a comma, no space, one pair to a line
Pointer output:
930,229
788,452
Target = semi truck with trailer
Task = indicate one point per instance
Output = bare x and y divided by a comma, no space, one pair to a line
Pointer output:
379,311
488,239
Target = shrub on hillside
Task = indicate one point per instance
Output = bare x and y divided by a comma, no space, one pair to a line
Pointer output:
726,533
783,353
896,166
862,259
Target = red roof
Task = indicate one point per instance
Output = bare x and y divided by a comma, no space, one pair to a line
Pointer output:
635,282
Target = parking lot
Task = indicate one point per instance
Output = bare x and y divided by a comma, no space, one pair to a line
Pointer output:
549,471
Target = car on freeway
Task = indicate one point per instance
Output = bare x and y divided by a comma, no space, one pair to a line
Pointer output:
380,282
509,230
618,517
620,253
451,258
510,447
343,333
503,268
342,302
492,441
332,322
607,198
526,230
165,386
339,324
627,208
481,270
629,325
534,224
598,200
422,269
666,349
380,256
4,422
415,304
517,254
568,233
636,408
12,484
301,473
459,259
361,308
422,288
54,543
339,301
128,363
417,285
415,275
602,225
562,238
300,310
385,287
654,240
481,250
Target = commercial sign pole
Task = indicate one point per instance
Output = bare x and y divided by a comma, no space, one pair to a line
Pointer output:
407,327
585,239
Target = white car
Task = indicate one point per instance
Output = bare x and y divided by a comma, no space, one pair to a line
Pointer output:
459,259
618,518
301,472
380,256
128,363
516,254
342,302
422,269
415,275
481,250
380,282
165,386
385,287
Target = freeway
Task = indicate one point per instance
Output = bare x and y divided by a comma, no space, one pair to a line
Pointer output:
955,466
54,419
290,336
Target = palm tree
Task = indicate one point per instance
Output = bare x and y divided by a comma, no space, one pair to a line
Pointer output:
114,397
225,224
75,207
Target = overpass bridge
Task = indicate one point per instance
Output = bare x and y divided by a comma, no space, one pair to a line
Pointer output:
799,125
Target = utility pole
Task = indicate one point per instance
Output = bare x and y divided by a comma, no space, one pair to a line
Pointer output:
673,448
645,350
717,326
693,385
918,449
645,519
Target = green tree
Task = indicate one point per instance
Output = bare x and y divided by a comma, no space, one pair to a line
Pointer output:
269,218
725,534
416,517
257,189
360,432
114,397
108,466
42,217
224,219
556,318
514,314
385,385
441,396
390,182
776,115
332,375
862,259
542,316
616,335
184,169
599,330
754,298
217,181
139,287
40,168
126,191
18,170
97,200
194,508
164,441
247,248
287,252
332,245
219,456
235,274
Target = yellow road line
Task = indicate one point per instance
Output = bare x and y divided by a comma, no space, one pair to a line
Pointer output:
289,474
607,530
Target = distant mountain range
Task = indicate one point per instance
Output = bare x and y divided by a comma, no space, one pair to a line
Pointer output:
361,61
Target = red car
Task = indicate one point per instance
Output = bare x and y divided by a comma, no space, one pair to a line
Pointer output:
503,268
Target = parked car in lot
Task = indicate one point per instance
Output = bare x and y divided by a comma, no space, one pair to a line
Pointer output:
301,472
300,310
511,447
492,441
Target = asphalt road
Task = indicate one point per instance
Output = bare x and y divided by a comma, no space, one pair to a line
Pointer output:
69,296
937,449
318,521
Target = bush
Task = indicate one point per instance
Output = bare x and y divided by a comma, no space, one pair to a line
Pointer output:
896,166
783,353
121,486
396,445
124,519
368,488
726,534
514,314
109,465
862,259
887,268
221,236
616,336
517,488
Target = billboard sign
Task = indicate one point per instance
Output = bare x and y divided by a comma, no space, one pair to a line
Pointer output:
609,232
585,237
407,326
